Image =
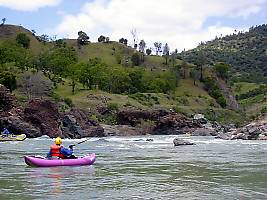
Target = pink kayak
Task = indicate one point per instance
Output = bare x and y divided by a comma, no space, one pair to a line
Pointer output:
38,161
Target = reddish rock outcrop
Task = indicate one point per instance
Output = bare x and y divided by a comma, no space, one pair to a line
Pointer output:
133,116
90,128
44,115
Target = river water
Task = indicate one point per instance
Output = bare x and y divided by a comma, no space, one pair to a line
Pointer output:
133,168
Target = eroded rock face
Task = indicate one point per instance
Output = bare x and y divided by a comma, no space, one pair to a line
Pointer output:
133,116
175,123
90,128
44,115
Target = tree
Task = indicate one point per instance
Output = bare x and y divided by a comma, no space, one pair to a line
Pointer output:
83,38
148,51
158,47
176,71
23,40
3,21
200,62
222,69
173,58
73,71
43,38
125,42
166,53
134,35
101,38
136,59
194,74
142,46
8,79
33,32
107,40
184,67
121,40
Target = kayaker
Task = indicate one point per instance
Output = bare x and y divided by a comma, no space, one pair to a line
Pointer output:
58,151
5,132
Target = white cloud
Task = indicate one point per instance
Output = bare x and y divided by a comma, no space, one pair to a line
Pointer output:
28,5
177,22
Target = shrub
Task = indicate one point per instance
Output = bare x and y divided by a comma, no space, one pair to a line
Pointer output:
113,106
69,102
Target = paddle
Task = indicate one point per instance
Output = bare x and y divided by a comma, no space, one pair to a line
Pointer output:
72,145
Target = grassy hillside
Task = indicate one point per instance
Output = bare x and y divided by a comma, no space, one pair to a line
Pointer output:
187,98
245,52
252,97
10,32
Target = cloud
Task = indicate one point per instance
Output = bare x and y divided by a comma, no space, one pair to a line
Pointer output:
177,22
28,5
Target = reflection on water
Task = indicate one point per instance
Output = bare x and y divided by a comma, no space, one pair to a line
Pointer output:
57,179
133,168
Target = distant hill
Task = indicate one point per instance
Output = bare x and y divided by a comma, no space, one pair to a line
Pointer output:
245,52
10,32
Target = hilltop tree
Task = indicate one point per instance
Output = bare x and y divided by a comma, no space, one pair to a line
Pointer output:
101,38
142,46
123,41
83,38
158,46
134,35
166,53
33,32
23,40
107,40
43,38
3,21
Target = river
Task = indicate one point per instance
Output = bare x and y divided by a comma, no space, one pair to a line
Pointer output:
133,168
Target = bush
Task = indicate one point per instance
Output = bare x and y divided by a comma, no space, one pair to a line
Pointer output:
264,110
69,102
23,40
113,106
9,80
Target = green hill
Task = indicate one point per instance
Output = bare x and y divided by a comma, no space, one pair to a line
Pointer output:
115,65
245,51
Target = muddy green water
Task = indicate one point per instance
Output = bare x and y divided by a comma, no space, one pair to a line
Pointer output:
132,168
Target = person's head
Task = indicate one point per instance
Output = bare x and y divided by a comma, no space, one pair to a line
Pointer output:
58,141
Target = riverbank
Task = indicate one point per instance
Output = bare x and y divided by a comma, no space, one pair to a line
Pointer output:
44,117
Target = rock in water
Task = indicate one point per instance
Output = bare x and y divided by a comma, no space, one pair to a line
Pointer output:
179,142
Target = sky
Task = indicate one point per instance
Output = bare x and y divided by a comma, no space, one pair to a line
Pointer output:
183,24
